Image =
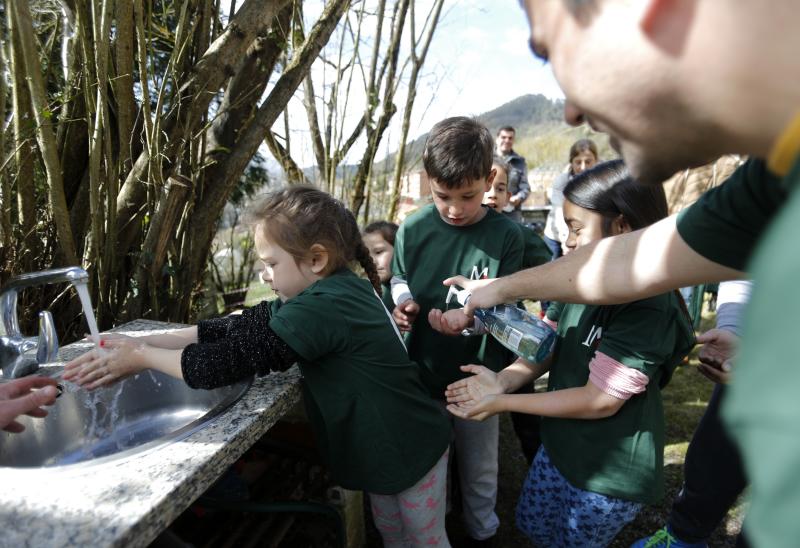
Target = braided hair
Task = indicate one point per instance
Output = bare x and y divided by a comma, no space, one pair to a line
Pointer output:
300,216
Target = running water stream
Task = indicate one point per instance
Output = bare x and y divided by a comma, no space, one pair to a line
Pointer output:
92,400
86,303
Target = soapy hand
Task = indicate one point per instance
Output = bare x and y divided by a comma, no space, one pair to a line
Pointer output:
26,396
475,397
451,322
404,314
117,357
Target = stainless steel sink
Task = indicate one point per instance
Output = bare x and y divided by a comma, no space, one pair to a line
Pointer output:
117,422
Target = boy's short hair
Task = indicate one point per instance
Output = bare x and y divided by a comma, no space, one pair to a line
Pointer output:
501,163
509,129
458,150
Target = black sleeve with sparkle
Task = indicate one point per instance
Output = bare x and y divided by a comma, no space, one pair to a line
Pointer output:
247,347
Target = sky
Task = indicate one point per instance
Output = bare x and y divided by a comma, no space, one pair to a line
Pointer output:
478,60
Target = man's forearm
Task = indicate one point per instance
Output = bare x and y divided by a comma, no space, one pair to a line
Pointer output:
617,269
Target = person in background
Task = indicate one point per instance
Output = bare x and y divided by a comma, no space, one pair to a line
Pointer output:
582,155
526,426
602,417
375,424
456,233
25,396
518,186
713,474
379,239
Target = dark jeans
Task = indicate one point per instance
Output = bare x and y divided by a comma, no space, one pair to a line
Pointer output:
713,477
555,249
527,428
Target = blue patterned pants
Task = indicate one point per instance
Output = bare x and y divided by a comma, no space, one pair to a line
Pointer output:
553,513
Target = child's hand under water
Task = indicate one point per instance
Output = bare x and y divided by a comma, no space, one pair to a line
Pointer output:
117,357
450,322
475,397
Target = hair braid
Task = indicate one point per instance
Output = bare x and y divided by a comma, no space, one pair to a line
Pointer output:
361,252
365,260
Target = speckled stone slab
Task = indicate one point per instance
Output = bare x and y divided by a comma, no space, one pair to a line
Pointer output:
129,502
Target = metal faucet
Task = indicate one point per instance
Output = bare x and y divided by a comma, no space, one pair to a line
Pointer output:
15,358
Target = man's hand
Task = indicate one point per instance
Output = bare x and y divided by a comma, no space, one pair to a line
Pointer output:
452,322
26,396
483,293
716,356
405,314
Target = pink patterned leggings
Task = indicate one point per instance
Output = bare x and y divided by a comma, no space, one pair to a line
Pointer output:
414,517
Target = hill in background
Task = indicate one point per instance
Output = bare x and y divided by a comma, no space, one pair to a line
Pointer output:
543,137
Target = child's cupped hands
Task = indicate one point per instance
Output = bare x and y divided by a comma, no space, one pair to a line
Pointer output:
475,397
451,322
114,358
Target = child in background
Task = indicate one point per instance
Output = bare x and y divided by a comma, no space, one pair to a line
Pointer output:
456,234
602,418
379,239
582,156
526,426
375,423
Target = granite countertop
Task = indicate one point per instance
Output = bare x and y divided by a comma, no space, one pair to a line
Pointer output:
129,502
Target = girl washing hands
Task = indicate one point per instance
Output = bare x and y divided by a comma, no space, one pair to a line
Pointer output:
375,424
603,426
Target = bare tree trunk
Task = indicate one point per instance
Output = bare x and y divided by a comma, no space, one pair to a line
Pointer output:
123,82
44,134
417,60
294,174
375,135
23,149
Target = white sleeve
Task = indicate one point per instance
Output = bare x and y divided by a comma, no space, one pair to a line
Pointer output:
400,290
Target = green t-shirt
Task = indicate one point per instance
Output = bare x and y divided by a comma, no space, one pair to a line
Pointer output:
426,251
762,406
536,251
727,221
622,455
375,424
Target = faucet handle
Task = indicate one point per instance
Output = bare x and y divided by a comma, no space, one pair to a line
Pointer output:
47,347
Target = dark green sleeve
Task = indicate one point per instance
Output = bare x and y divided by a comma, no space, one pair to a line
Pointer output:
398,260
311,326
726,222
648,334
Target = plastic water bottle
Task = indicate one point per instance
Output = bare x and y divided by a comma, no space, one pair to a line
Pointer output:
518,330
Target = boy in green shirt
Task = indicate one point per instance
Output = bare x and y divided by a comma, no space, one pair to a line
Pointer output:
456,234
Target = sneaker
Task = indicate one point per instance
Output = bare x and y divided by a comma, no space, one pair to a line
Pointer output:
663,538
